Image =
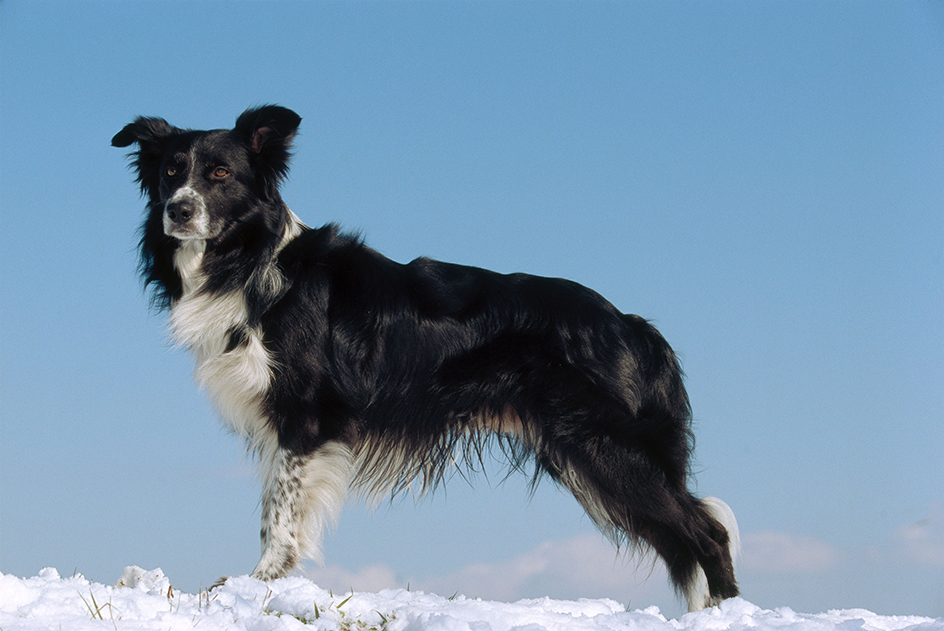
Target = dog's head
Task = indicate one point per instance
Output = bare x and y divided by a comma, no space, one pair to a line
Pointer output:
219,186
201,183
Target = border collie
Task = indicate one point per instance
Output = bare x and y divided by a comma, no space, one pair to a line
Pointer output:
343,369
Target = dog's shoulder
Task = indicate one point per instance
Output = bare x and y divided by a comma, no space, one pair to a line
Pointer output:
324,251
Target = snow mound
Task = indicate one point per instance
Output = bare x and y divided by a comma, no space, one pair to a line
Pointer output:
144,599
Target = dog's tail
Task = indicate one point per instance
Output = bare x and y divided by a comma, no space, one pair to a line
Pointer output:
696,591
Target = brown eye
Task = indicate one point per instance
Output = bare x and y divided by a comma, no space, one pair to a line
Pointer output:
170,172
220,172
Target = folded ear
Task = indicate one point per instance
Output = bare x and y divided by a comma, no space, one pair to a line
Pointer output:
268,132
150,134
142,131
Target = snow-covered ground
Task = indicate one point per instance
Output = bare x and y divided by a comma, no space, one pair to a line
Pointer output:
146,600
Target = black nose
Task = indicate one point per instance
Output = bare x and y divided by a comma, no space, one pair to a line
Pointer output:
180,211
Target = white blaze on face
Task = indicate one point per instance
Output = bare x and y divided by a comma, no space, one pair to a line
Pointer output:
198,225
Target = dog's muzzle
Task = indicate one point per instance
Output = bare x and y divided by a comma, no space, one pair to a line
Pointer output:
185,215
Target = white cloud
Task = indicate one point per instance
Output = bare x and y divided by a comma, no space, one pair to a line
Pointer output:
588,566
372,578
809,573
584,566
772,552
923,541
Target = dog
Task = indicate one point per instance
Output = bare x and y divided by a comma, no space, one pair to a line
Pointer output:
345,370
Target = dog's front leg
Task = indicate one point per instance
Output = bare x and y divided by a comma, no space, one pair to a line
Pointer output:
302,495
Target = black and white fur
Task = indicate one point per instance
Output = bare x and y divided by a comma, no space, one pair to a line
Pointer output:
344,369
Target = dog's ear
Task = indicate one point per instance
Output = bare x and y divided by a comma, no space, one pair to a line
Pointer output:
268,132
144,130
150,134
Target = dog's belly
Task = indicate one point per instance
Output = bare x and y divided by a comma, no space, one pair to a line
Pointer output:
506,422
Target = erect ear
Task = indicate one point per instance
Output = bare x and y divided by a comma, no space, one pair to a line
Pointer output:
268,132
268,126
150,134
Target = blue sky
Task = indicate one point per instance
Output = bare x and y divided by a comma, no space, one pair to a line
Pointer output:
763,180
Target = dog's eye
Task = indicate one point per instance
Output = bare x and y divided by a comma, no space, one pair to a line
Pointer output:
220,173
170,172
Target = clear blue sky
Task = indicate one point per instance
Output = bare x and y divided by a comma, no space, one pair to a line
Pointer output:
763,180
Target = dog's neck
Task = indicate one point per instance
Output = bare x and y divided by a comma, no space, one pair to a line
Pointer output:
191,253
202,319
188,260
293,227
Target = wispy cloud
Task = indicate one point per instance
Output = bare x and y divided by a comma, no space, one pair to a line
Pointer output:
587,565
774,566
583,566
372,578
771,552
923,541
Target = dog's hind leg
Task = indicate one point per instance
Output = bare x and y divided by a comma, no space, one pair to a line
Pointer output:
713,578
697,542
631,499
302,496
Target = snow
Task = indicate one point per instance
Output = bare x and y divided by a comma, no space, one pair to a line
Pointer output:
143,599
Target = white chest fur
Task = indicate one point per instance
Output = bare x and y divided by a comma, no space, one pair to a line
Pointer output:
236,379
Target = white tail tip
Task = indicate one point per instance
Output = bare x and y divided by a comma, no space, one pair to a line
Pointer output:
697,593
